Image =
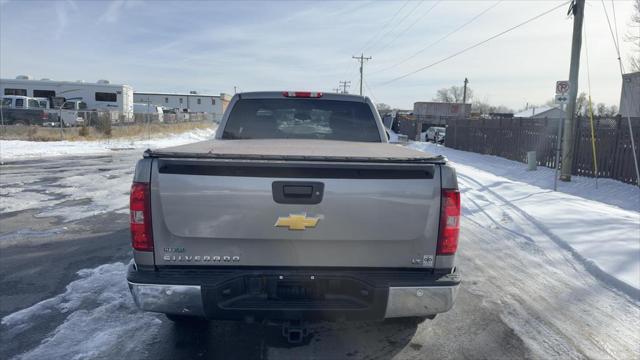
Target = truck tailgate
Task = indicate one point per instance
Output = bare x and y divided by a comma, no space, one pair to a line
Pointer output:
267,213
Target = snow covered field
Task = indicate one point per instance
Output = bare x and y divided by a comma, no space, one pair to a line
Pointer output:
601,227
23,150
92,187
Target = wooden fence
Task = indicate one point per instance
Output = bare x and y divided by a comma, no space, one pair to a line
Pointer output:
513,138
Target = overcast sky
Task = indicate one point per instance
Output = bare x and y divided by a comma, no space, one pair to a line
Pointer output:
292,45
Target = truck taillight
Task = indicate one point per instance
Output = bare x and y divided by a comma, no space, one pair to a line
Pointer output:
140,217
449,222
302,94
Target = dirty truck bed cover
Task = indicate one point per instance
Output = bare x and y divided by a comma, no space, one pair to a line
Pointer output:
297,149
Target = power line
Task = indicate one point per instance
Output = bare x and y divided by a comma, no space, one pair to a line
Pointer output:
593,133
371,92
410,26
476,45
367,44
395,25
440,39
345,85
613,37
362,58
615,21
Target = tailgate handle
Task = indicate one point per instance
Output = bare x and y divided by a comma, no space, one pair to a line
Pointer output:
297,192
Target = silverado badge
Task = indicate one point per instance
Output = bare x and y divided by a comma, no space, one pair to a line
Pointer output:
297,222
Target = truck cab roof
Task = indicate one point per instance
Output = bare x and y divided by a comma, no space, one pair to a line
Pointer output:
300,94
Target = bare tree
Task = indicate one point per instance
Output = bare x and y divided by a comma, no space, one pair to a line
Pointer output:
582,104
633,36
383,107
443,96
454,94
486,109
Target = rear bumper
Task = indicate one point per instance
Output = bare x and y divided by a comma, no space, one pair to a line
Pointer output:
237,294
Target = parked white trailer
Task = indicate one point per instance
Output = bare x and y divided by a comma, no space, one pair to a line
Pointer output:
100,96
214,105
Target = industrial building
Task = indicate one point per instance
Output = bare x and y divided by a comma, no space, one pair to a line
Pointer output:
115,98
541,112
441,110
192,102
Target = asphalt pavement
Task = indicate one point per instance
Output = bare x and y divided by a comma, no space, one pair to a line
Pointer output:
40,257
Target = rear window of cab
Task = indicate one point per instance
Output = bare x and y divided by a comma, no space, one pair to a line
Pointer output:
301,119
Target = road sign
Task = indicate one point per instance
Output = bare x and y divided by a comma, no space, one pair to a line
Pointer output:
561,99
562,87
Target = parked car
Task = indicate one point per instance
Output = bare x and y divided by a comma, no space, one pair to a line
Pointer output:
20,102
434,134
22,110
280,218
72,112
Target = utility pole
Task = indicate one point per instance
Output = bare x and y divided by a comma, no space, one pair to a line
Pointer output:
345,85
577,8
362,58
464,94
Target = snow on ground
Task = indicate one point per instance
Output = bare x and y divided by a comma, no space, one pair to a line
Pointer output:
87,190
100,319
11,150
601,227
513,230
94,186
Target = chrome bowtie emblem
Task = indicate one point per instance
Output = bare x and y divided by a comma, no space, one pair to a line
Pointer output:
297,222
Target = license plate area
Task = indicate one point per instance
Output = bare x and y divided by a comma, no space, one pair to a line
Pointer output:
301,292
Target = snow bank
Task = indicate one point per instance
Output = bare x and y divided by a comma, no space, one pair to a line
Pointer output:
600,226
22,150
101,319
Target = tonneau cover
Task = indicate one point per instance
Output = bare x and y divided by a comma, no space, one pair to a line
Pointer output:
296,149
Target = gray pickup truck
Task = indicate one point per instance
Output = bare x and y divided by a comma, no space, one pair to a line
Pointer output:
299,210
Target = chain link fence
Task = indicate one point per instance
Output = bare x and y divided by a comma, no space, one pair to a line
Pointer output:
41,125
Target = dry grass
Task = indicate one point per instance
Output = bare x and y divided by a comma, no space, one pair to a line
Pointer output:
38,133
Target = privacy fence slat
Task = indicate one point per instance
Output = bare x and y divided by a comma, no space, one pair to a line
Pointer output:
513,138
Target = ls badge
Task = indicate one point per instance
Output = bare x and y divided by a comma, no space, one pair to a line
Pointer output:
297,222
